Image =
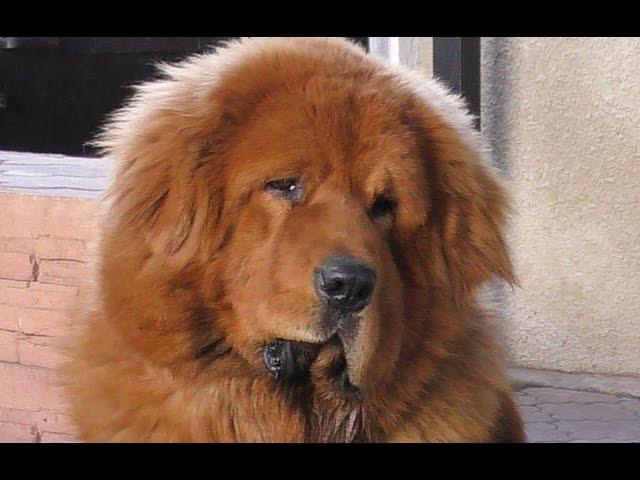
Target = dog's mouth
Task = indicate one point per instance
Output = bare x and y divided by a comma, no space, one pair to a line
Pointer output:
288,360
291,361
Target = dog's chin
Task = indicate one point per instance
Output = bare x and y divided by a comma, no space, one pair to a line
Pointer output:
330,370
321,365
341,380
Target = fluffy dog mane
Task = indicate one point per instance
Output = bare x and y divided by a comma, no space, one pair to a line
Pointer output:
159,356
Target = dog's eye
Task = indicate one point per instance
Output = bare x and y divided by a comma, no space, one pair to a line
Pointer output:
382,207
289,188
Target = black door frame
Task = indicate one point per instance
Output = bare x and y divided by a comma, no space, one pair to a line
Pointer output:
456,61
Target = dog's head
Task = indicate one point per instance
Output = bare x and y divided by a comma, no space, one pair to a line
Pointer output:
304,204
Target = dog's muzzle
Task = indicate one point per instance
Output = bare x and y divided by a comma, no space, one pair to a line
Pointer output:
345,286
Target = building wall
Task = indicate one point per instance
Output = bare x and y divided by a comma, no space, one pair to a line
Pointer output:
562,116
43,245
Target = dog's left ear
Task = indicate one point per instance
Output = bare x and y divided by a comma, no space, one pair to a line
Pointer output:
468,206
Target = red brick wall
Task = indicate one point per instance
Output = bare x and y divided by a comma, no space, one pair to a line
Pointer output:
43,244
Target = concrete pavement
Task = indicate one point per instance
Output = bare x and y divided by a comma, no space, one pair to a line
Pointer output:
556,408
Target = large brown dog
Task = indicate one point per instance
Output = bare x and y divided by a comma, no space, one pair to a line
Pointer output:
292,249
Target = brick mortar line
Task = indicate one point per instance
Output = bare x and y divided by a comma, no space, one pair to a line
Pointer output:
35,307
32,283
28,335
37,367
33,425
84,241
62,260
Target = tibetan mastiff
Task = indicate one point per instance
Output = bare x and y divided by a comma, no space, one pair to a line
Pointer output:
291,250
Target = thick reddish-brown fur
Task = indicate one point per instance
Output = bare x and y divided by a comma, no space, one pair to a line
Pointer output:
199,266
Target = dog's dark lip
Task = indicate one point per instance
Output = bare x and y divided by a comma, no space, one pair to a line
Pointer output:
290,361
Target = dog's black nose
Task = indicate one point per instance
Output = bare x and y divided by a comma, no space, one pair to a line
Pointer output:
345,283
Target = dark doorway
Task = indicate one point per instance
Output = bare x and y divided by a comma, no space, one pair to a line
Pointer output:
56,91
456,61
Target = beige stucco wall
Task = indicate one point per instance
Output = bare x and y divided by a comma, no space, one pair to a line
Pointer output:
563,118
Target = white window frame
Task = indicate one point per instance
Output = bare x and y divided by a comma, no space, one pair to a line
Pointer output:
412,52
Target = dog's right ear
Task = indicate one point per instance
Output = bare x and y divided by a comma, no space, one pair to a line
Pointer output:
163,143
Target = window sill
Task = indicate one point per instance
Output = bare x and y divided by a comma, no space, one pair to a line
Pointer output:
53,175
